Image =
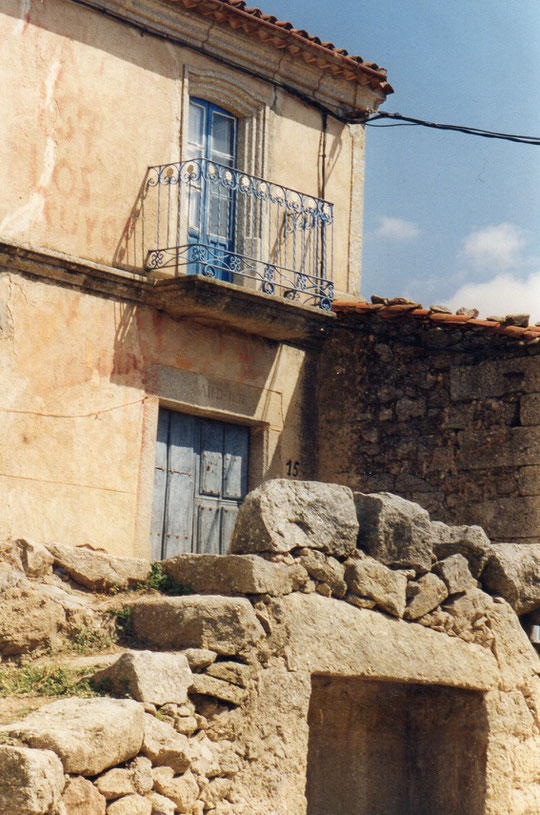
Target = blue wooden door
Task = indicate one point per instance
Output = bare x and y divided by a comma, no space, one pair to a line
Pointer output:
212,142
200,481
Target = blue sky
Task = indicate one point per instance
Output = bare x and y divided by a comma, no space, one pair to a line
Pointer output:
449,218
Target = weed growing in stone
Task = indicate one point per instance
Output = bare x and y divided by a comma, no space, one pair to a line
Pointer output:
123,620
159,580
86,640
39,680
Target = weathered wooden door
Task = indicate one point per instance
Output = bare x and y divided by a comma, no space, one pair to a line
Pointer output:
199,483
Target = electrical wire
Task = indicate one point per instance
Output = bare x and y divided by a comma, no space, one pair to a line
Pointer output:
405,121
148,31
94,413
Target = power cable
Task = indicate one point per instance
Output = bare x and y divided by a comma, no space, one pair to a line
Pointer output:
404,121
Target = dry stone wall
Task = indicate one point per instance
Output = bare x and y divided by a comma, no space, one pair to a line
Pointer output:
357,635
441,416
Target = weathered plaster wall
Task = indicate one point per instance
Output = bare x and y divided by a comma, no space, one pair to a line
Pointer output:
438,416
81,380
93,104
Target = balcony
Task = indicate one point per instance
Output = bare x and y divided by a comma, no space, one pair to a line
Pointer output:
219,222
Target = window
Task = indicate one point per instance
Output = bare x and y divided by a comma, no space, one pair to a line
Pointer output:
200,480
212,147
219,217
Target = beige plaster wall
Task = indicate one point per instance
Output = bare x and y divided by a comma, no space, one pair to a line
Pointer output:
81,378
93,103
296,157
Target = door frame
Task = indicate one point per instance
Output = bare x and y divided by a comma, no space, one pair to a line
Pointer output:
259,458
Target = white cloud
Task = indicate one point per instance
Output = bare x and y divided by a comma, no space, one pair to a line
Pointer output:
502,295
396,229
498,248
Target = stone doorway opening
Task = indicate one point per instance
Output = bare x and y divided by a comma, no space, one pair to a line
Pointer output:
391,748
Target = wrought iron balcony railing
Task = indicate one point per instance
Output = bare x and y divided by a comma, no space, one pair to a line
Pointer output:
223,223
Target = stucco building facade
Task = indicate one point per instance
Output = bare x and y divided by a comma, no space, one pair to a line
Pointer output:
181,203
181,199
180,323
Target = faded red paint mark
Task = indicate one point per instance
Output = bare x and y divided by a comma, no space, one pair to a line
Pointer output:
26,18
183,362
126,363
104,365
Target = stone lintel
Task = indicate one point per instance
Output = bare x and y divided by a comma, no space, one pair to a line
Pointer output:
344,640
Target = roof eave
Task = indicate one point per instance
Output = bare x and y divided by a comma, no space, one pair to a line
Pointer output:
281,36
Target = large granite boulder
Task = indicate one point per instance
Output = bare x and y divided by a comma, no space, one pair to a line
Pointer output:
88,735
394,531
234,574
226,625
282,515
513,572
99,571
148,676
31,781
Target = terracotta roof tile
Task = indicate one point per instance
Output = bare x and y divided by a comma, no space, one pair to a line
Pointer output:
457,319
298,42
483,323
411,311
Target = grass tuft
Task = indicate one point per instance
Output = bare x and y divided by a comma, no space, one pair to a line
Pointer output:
159,580
43,680
86,640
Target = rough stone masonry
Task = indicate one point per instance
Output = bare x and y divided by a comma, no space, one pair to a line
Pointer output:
445,416
350,655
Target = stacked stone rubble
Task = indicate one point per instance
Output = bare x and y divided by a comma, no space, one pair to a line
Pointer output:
318,580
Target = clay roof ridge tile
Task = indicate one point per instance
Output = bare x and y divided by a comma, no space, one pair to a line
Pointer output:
480,323
529,335
378,78
393,308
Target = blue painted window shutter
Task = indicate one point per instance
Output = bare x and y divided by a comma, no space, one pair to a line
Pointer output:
212,138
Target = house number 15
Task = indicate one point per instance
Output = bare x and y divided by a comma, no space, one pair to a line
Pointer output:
292,467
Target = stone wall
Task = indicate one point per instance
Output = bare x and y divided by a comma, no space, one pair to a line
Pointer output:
344,633
442,416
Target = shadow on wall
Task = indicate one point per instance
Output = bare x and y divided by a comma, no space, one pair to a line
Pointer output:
132,248
395,749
